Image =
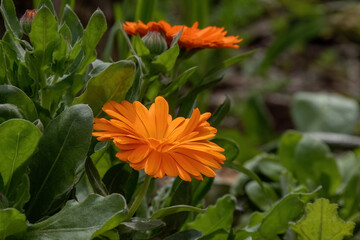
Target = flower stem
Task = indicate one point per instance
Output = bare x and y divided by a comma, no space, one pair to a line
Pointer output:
139,197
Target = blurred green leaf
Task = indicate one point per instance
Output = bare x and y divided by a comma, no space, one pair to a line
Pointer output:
48,4
310,160
286,151
44,35
66,3
19,191
262,196
227,63
61,155
300,32
323,112
139,46
145,10
349,190
216,217
166,61
111,84
93,33
231,148
276,220
321,221
190,234
81,221
142,224
18,141
94,178
313,161
8,12
12,222
220,113
9,111
175,209
13,95
178,82
72,21
122,179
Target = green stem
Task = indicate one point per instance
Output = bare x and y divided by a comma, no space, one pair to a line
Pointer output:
139,198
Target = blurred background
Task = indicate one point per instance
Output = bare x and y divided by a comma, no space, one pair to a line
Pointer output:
304,74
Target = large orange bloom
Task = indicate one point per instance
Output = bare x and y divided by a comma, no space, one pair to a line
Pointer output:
191,37
153,141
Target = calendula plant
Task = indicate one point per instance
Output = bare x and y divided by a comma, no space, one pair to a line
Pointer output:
93,149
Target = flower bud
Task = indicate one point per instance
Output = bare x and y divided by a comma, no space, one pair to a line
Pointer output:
155,42
27,19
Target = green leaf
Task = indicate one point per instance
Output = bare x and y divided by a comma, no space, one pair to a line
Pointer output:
286,150
264,197
324,112
321,221
142,224
216,217
178,82
276,220
313,161
94,31
299,33
12,222
111,84
9,111
139,46
19,192
190,234
227,63
81,221
9,15
48,4
166,61
231,148
18,141
145,10
72,21
44,35
220,113
175,209
61,155
122,179
13,95
94,178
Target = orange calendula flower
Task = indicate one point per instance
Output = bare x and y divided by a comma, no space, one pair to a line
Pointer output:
150,139
191,37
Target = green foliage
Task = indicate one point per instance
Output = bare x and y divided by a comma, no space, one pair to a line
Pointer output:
57,182
218,217
322,222
111,84
84,220
61,155
324,113
12,222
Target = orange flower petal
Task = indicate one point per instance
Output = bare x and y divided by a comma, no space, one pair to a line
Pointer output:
153,141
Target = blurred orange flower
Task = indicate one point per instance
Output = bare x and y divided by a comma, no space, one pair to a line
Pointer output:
191,37
150,139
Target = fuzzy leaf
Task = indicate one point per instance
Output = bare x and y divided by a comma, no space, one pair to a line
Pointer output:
216,217
321,222
110,84
81,221
12,222
44,34
18,140
60,160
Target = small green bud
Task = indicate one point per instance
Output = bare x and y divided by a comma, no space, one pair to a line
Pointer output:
27,19
155,42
